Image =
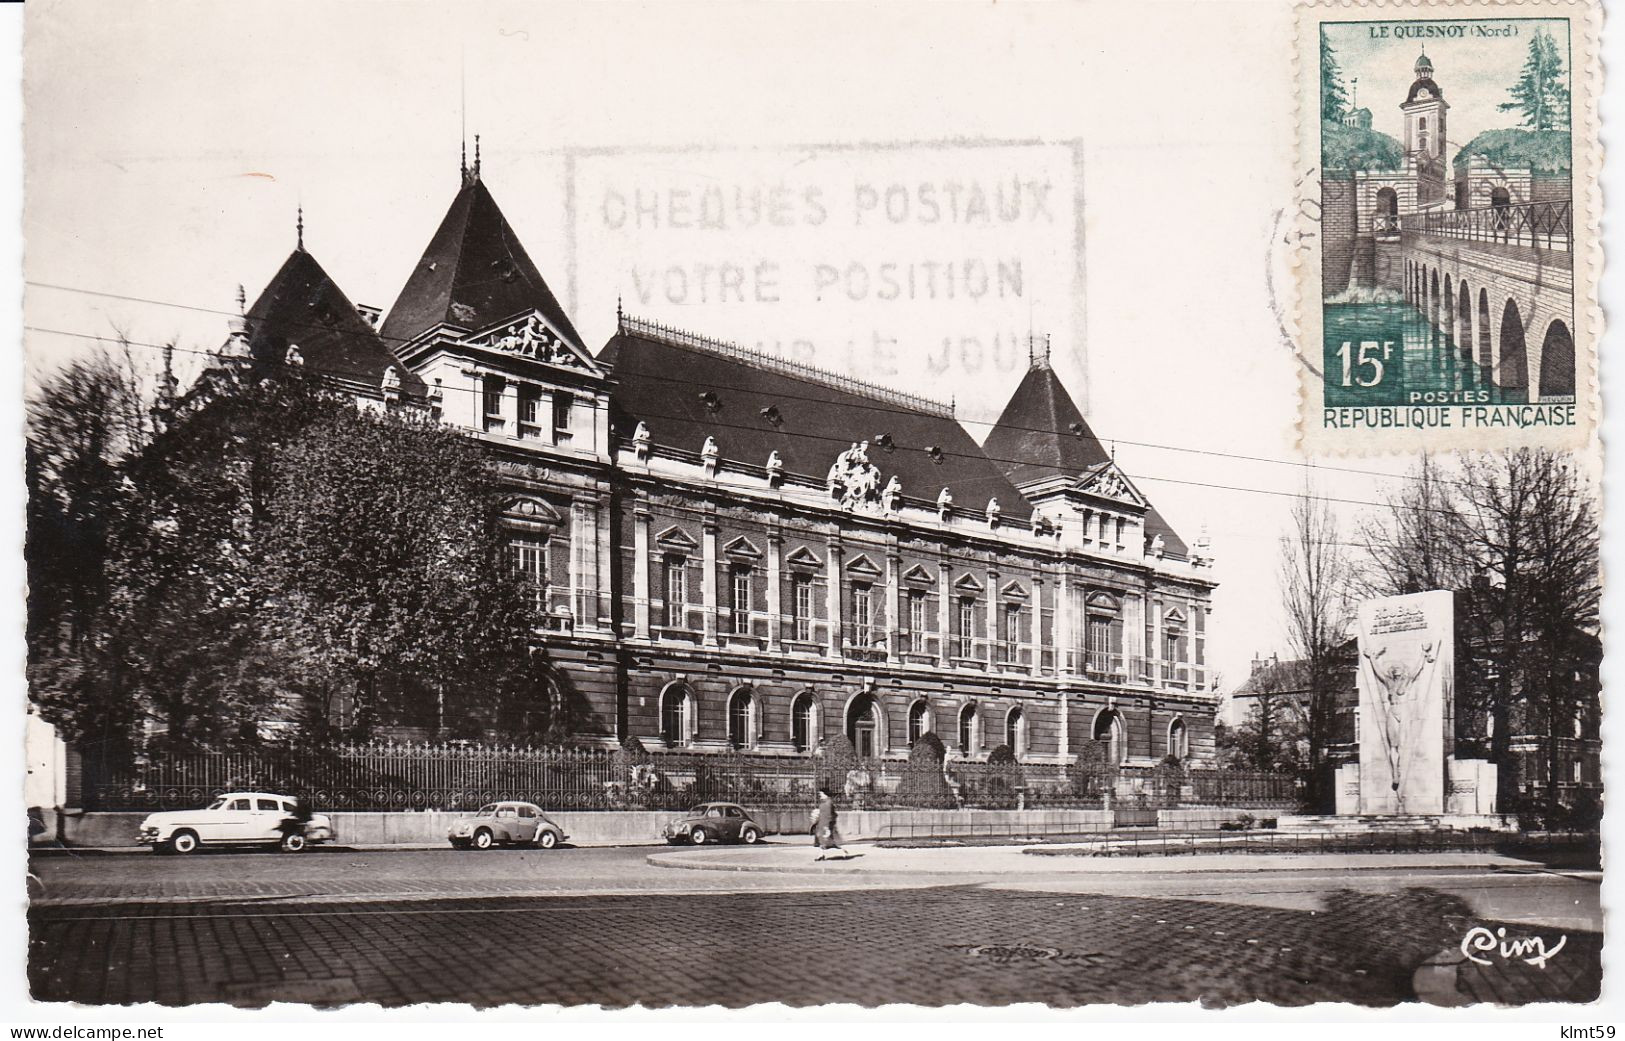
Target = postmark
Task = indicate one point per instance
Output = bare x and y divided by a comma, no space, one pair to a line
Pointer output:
1447,253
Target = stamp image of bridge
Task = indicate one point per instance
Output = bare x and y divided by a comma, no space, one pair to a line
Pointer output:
1447,271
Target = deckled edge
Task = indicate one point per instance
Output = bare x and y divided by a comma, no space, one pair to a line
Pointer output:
1585,24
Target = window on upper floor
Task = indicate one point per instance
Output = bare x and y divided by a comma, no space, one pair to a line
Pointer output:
801,607
530,401
862,615
739,584
967,626
563,415
676,587
491,391
916,621
1010,638
527,561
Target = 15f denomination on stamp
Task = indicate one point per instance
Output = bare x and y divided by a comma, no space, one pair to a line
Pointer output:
1448,257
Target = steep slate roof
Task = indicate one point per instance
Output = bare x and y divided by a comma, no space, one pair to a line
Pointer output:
1041,433
660,383
303,305
474,274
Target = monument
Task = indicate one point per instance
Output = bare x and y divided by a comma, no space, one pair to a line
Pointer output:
1406,682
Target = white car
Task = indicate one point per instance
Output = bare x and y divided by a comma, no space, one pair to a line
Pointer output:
233,819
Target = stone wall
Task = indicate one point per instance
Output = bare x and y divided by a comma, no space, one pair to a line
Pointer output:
1338,219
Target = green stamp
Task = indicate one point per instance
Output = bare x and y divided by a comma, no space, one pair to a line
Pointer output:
1442,299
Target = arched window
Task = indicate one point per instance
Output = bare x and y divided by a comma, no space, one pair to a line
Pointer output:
1109,729
917,723
1015,732
1178,740
674,709
803,721
967,729
741,716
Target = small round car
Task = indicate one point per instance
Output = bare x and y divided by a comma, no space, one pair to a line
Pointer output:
714,822
505,824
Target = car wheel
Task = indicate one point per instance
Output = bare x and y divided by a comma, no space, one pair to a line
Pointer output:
547,839
183,842
699,836
293,843
749,836
483,839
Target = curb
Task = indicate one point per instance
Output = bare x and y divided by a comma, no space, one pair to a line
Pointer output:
685,860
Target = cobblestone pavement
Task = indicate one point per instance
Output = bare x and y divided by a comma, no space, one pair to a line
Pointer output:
933,946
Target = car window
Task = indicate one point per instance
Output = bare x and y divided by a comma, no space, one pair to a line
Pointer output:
527,811
239,804
715,811
734,811
487,810
507,811
698,811
268,804
218,804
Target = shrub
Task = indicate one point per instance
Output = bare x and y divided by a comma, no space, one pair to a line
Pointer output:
1091,774
999,788
833,761
923,783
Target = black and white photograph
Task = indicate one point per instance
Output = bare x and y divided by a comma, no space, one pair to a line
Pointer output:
777,510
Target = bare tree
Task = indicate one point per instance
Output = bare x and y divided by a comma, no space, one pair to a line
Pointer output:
1315,581
1514,536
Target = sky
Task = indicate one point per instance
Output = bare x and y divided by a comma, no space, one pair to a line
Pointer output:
169,145
1474,71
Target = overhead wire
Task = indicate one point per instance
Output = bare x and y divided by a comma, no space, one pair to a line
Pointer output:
1314,497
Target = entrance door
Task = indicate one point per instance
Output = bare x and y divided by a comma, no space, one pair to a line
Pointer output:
860,726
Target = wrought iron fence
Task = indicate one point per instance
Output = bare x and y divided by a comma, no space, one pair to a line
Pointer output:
396,776
1548,225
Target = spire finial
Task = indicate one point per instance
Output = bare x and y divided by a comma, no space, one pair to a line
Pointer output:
476,157
463,166
242,299
299,226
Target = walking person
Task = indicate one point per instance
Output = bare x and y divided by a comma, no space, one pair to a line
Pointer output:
825,833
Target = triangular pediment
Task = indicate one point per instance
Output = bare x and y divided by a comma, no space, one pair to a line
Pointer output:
742,547
1174,617
534,337
801,556
676,538
1014,591
1107,481
967,583
920,575
862,565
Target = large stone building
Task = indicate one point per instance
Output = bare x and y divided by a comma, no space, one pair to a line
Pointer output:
736,552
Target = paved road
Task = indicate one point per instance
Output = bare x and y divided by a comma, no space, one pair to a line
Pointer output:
603,926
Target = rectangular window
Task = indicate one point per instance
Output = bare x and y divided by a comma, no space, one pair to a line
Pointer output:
527,561
862,630
676,593
1012,632
740,604
916,621
801,606
967,625
563,407
491,390
530,400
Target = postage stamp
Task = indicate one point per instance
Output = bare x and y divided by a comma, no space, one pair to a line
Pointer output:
1447,238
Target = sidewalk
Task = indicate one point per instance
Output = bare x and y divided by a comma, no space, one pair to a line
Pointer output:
1011,860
